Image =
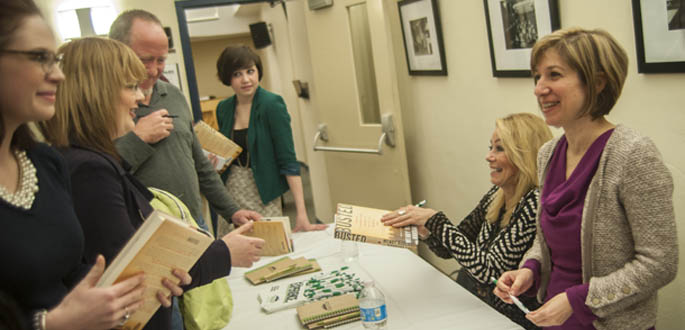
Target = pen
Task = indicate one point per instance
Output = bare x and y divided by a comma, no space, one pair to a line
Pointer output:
421,203
165,116
516,301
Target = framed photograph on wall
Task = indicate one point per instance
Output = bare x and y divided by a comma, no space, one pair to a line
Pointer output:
422,34
513,27
659,35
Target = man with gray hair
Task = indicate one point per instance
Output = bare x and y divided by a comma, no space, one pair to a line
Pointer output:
163,150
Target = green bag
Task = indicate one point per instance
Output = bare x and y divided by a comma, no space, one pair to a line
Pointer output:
207,307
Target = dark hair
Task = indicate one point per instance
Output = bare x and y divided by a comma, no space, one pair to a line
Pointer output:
121,27
10,314
234,58
12,16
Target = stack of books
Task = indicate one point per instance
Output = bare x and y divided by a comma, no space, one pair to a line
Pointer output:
328,313
280,296
282,268
363,224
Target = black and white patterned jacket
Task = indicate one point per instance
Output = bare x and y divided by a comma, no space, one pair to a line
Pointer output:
471,243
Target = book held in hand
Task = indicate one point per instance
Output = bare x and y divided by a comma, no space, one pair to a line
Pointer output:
213,142
276,233
363,224
161,244
330,312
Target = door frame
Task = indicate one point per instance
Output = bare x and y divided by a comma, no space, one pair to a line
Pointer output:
188,61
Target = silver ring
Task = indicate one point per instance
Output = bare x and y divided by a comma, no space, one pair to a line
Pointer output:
125,318
401,212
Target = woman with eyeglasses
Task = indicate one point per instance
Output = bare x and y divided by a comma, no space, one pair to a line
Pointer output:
41,239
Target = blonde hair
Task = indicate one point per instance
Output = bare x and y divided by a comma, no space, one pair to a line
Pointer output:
522,134
96,71
594,55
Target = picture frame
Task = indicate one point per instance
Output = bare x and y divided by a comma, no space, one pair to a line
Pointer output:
422,35
513,27
659,35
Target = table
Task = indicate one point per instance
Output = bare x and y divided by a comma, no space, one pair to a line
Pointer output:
417,295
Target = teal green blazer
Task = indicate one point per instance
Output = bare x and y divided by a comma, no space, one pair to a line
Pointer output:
269,141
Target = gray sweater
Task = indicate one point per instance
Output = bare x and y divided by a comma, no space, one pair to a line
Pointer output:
176,164
628,237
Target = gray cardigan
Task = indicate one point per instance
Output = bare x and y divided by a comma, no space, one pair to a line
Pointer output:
628,233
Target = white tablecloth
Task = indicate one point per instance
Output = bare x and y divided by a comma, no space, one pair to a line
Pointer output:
417,295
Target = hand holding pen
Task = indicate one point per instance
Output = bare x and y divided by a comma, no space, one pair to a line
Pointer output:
155,126
511,284
409,215
554,312
513,298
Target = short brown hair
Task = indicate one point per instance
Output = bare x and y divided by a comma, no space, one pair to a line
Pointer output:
121,27
96,71
13,13
234,58
594,55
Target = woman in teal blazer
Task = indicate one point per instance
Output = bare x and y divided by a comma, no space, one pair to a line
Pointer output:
258,121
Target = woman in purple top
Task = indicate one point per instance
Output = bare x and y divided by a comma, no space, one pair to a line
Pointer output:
606,237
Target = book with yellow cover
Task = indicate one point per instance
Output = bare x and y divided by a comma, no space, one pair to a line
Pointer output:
214,142
363,224
283,267
276,233
161,244
302,265
329,312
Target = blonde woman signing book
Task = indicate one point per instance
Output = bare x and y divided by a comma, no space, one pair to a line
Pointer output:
494,236
258,121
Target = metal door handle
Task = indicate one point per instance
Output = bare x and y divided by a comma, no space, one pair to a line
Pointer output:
388,136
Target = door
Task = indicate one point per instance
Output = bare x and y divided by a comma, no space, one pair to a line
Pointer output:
354,86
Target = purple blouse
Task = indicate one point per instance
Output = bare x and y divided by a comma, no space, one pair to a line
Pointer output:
561,213
560,220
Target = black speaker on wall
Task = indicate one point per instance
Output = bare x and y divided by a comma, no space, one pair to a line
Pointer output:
167,30
260,34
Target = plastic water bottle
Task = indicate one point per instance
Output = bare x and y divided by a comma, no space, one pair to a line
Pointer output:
372,307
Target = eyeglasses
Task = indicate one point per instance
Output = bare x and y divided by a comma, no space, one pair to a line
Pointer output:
47,59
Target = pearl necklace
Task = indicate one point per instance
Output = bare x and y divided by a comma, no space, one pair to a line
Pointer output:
28,184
